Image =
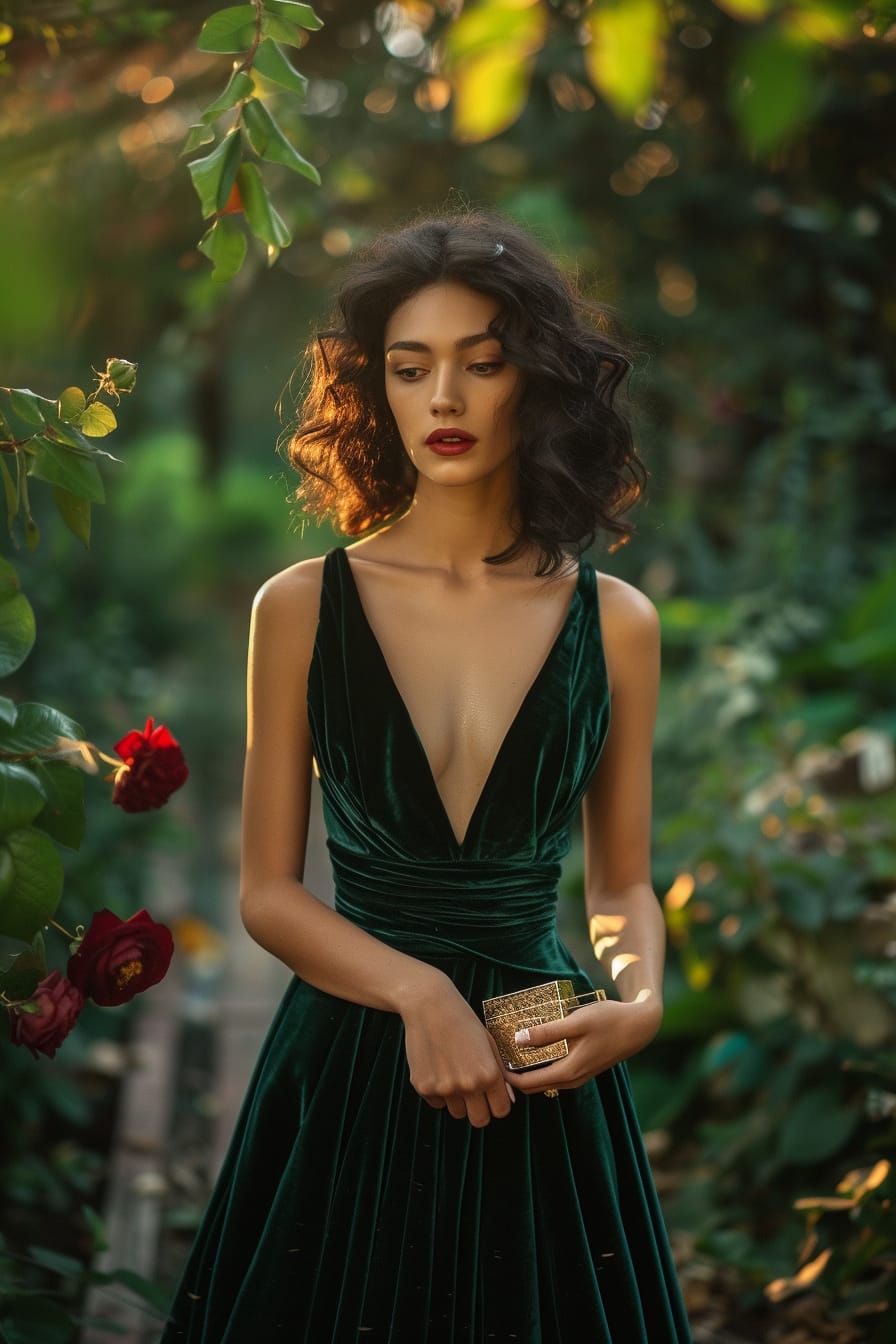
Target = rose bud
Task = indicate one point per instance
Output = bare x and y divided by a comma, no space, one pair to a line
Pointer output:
59,1005
120,376
119,958
154,767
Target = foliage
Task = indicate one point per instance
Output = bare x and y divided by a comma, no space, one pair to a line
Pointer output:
51,441
226,181
42,1288
778,875
41,808
41,804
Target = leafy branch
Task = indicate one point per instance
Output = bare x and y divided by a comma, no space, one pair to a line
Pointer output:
228,180
58,448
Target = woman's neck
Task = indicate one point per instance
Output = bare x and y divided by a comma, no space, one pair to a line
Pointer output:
454,528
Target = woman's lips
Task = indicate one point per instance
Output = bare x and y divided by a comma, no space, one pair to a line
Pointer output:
450,442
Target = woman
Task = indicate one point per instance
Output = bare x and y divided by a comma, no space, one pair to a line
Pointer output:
451,678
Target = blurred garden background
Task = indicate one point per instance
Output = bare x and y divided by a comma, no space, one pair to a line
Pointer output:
723,175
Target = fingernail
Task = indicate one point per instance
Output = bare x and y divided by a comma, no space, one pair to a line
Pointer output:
510,1092
521,1037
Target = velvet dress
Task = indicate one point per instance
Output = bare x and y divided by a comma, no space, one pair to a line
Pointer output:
348,1211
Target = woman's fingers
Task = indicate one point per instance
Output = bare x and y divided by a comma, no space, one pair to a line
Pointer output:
478,1107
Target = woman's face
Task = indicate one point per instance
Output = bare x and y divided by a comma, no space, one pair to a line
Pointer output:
453,396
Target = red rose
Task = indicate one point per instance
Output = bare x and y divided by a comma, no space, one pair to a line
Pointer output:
59,1005
154,767
119,958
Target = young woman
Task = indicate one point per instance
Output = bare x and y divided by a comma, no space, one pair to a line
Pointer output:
463,683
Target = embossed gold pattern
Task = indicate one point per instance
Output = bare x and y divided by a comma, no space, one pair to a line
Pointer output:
509,1013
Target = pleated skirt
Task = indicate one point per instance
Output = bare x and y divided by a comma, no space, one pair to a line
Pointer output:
348,1211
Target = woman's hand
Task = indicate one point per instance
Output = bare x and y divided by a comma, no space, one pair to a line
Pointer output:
454,1062
599,1035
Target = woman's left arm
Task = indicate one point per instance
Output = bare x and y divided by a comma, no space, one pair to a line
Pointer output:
625,920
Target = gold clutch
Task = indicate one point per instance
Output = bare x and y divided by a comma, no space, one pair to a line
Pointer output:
508,1013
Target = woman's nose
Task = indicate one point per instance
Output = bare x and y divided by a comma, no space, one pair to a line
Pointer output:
445,396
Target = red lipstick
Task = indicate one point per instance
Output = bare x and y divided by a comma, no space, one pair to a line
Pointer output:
450,442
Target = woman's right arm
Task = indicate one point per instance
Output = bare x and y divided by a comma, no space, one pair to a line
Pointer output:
451,1056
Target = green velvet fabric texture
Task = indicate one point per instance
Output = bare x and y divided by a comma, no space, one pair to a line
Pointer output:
347,1209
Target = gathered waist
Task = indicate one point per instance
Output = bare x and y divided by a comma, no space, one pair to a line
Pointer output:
502,912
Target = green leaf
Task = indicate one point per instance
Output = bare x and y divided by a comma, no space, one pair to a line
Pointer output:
37,885
10,585
37,728
491,52
282,30
17,626
27,405
750,10
7,709
74,512
11,492
269,142
624,55
56,464
225,247
263,219
56,1261
60,431
62,816
22,796
295,12
153,1293
17,633
100,1241
214,175
774,89
815,1128
98,420
231,29
25,972
272,62
71,403
239,86
196,137
830,21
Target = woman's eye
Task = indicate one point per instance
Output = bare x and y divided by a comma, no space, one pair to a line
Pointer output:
409,375
492,367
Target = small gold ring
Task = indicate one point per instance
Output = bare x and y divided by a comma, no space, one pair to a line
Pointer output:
551,1092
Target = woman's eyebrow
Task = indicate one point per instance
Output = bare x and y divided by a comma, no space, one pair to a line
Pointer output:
463,344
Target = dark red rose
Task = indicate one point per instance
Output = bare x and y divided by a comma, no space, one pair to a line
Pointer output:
154,767
119,958
59,1003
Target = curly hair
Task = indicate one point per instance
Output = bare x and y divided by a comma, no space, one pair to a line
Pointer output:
577,468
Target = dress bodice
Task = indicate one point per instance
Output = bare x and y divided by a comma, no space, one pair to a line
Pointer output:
398,867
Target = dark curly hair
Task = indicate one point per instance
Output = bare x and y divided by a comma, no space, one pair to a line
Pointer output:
578,470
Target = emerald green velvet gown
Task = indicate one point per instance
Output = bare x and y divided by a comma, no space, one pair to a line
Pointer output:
348,1211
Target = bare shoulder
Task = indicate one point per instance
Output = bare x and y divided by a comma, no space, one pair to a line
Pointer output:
286,608
293,593
624,606
630,627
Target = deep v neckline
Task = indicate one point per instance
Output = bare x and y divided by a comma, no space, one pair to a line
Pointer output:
459,842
